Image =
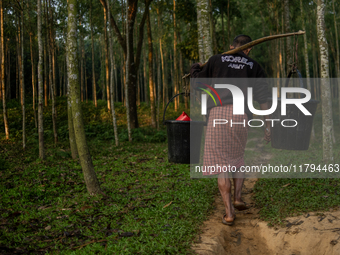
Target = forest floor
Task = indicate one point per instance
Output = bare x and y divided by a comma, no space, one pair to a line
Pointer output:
152,206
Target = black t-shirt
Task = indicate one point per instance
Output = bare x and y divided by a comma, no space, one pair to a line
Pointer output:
238,65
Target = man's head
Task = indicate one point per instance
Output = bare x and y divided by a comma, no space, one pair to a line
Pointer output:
241,40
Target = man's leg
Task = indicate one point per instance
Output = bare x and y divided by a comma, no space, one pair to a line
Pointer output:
224,186
238,178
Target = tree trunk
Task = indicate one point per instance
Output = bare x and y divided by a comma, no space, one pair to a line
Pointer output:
146,97
288,39
17,75
114,121
327,119
94,89
106,62
158,88
127,73
212,28
176,80
4,108
204,38
90,177
45,58
22,81
8,87
52,90
33,82
40,88
309,87
151,82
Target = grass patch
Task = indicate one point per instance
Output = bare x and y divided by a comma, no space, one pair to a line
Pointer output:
281,198
151,207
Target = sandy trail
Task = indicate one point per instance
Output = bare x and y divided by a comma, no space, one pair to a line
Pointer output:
314,233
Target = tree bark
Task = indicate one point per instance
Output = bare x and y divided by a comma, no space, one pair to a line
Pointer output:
51,80
90,177
94,89
33,82
8,87
114,121
309,87
176,80
40,88
327,119
127,73
151,82
146,97
4,108
288,39
22,81
205,42
106,61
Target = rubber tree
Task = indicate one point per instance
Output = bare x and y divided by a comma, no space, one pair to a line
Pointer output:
3,73
327,118
204,39
40,87
134,57
113,112
90,177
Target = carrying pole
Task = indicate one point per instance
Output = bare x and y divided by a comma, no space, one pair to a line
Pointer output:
253,43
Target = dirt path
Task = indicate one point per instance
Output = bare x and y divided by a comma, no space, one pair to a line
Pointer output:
313,234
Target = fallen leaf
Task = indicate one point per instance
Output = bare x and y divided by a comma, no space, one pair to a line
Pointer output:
167,205
48,227
286,185
85,207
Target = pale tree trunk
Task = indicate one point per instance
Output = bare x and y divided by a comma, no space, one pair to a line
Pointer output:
94,89
114,121
106,61
223,33
204,38
40,88
309,87
151,82
4,110
22,81
175,78
71,134
327,118
127,73
288,39
90,177
52,90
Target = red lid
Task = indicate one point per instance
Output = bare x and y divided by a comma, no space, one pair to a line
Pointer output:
184,117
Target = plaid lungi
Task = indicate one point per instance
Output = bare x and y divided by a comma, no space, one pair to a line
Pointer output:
225,143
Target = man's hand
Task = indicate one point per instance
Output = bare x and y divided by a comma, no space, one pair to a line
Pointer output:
267,135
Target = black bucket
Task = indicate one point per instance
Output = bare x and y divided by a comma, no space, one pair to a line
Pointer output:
179,139
293,138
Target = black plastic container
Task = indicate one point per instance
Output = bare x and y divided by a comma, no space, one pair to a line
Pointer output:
293,138
179,134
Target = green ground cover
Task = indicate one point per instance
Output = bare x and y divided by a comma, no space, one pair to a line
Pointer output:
152,206
280,198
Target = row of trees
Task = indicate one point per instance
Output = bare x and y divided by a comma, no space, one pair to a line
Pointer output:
106,50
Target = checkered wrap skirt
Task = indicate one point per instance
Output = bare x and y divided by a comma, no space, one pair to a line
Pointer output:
225,144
